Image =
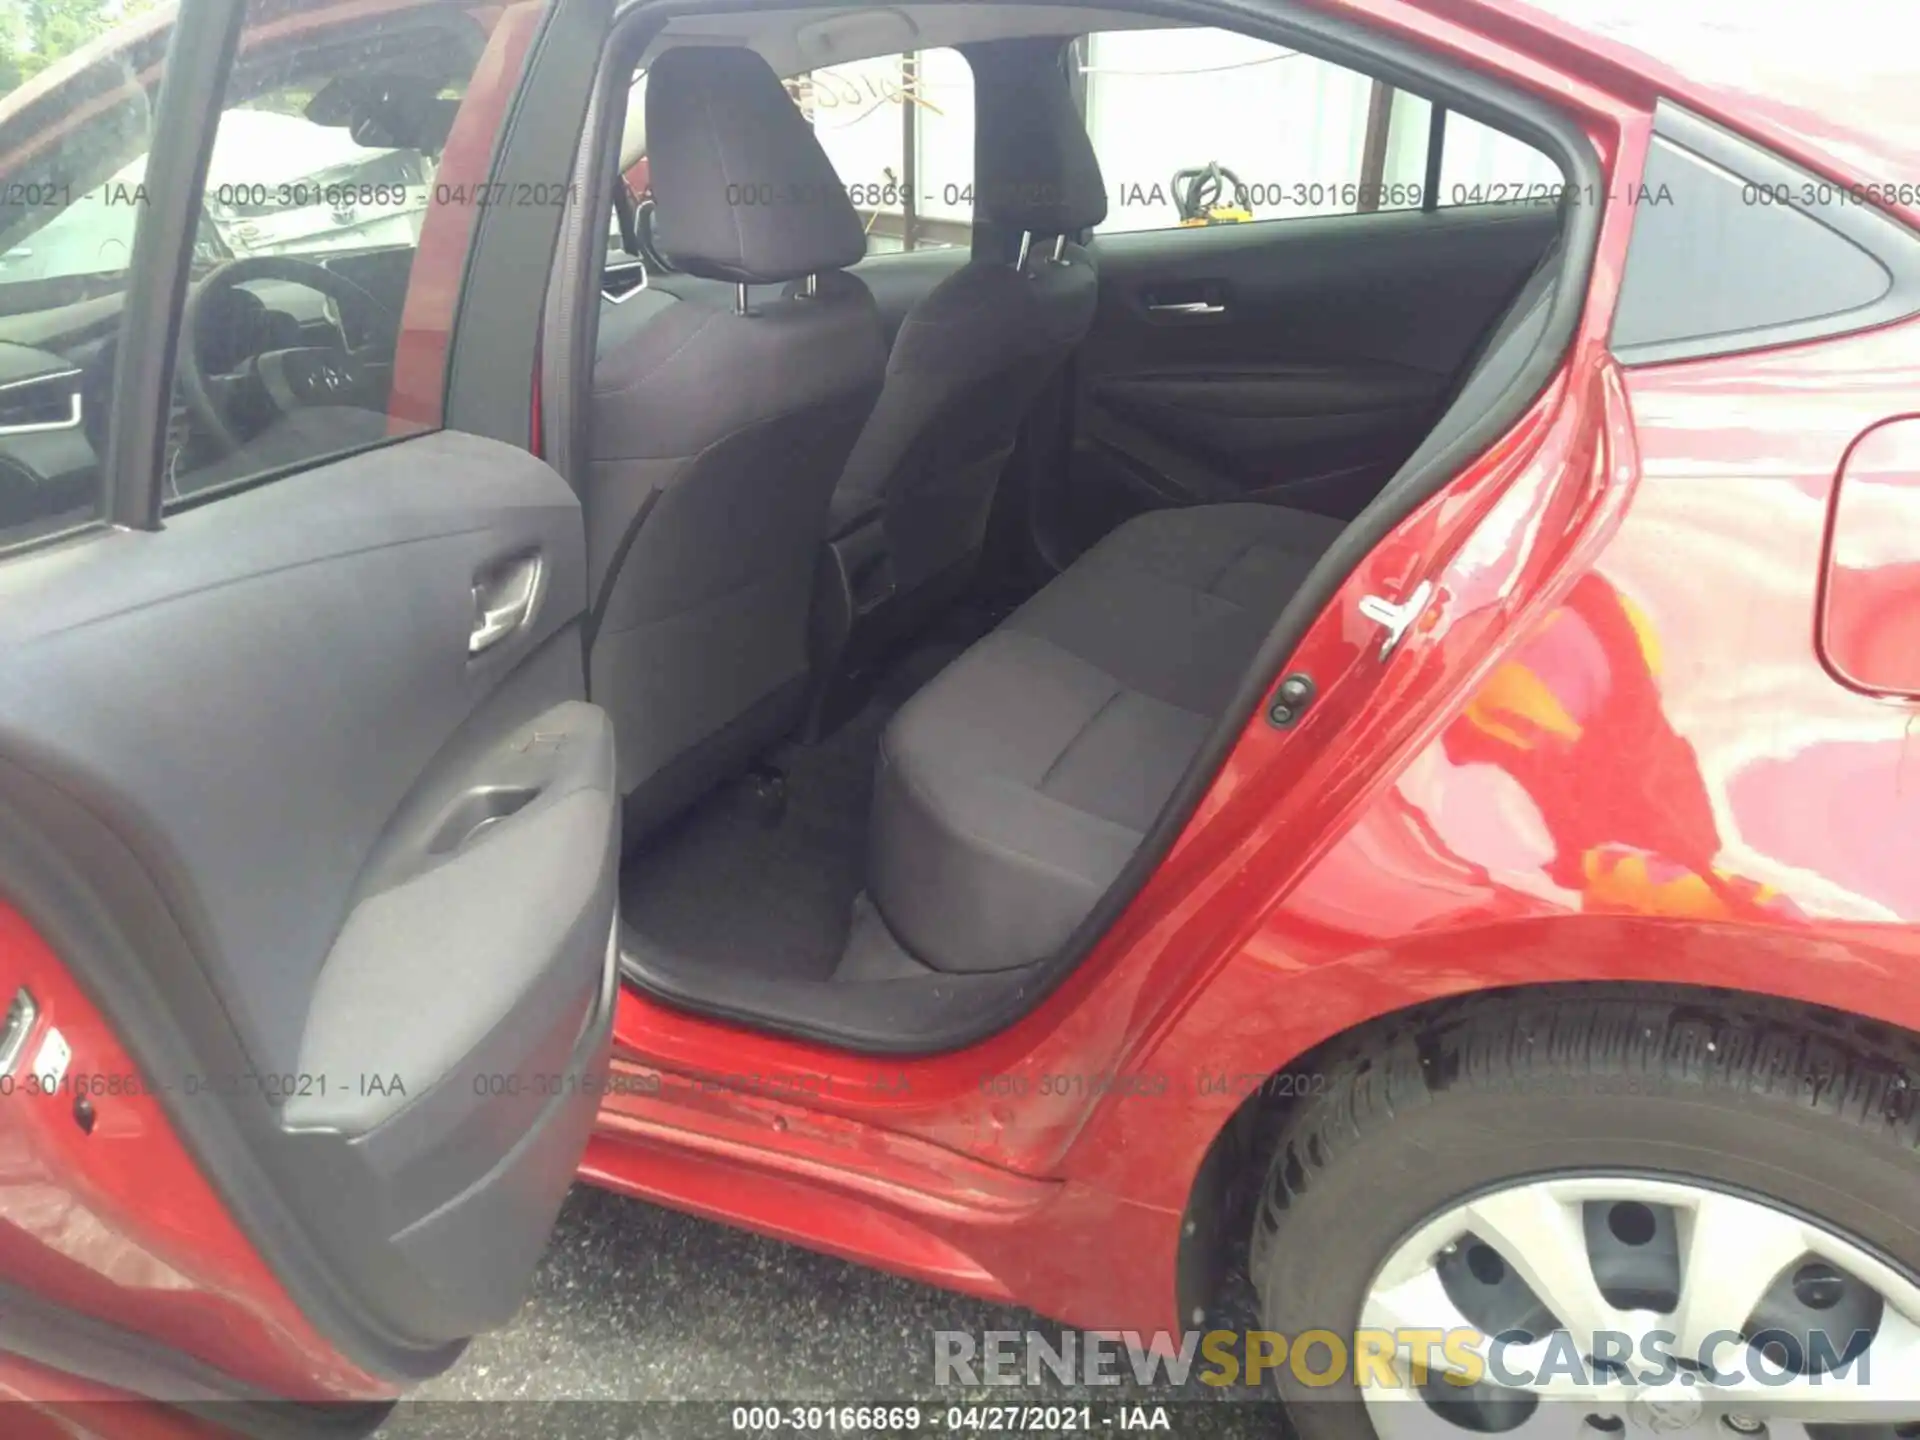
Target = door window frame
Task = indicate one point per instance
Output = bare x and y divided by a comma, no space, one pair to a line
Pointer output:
188,92
191,89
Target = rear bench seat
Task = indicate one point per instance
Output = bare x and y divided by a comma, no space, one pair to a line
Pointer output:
1013,788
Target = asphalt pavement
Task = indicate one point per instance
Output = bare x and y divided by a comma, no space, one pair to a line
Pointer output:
633,1303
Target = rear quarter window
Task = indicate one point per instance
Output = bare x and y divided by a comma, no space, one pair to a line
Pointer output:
1735,249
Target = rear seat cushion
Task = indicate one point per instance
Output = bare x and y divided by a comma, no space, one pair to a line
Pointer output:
1014,787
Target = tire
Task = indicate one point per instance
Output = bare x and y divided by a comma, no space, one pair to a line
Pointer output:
1806,1111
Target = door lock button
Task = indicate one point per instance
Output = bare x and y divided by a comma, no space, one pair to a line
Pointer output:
1290,701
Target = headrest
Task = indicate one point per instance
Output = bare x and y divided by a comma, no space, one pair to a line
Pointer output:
1033,165
742,190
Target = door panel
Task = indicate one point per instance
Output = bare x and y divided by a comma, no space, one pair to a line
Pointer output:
301,801
1297,362
367,871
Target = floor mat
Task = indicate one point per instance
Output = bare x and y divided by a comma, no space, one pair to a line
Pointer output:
726,887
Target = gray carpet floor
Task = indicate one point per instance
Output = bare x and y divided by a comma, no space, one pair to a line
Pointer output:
726,887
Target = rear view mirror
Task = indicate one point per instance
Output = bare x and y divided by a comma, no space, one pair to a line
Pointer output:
385,112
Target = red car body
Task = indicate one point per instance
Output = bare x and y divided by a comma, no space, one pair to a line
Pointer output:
1657,726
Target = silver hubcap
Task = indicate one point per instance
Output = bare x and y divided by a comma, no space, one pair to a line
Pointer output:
1605,1308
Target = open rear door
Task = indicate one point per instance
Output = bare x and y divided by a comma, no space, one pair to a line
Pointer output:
308,837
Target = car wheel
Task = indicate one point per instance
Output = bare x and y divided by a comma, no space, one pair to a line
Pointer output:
1677,1215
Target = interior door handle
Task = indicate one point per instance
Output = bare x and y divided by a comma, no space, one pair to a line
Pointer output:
1187,307
505,597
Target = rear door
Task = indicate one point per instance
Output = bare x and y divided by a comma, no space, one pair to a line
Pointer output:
1292,275
308,840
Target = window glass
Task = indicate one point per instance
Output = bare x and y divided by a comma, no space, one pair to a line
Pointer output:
1731,251
875,116
1193,125
1481,165
1197,126
327,177
73,142
1478,164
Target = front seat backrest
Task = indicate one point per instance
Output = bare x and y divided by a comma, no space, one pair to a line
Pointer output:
722,415
971,358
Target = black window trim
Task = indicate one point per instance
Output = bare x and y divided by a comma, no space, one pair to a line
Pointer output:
1436,155
193,78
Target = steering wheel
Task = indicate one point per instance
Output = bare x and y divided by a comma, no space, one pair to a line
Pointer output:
281,380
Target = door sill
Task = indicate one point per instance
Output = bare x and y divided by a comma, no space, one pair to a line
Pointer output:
729,1149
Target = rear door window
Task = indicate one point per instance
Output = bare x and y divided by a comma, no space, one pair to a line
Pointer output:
73,145
330,224
1200,126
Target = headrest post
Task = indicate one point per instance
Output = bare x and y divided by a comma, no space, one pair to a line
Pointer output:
1026,245
1060,250
812,286
740,298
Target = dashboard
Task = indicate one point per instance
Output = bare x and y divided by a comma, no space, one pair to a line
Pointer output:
57,366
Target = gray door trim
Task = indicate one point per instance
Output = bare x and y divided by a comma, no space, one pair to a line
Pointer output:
97,868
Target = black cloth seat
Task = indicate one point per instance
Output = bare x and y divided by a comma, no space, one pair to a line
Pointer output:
975,353
726,398
1012,789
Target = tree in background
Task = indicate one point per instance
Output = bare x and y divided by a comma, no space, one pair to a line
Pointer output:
35,33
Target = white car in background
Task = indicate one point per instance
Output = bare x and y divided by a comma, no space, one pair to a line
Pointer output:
276,184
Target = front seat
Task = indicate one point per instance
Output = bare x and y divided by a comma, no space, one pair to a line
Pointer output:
722,415
971,357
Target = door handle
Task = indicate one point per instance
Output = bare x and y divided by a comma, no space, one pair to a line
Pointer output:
1186,307
505,597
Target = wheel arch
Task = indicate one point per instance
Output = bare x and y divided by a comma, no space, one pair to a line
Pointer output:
1223,1186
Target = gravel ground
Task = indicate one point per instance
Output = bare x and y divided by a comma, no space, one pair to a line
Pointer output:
635,1303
